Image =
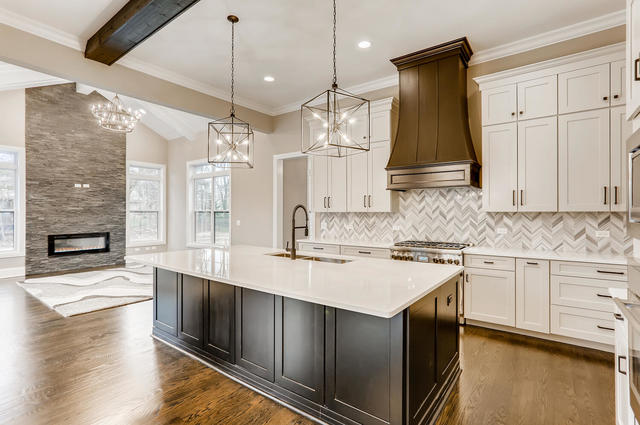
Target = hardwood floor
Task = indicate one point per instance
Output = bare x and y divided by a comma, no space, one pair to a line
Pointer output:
104,368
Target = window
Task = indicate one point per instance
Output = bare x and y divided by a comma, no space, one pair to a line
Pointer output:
145,204
209,199
11,201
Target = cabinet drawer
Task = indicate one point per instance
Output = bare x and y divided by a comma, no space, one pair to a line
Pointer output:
490,262
596,326
359,251
579,292
317,247
591,270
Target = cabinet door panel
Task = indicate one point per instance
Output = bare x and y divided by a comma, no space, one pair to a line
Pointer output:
191,310
358,181
165,301
633,53
490,296
538,98
538,165
380,200
583,89
618,83
320,179
532,295
499,105
300,347
220,320
337,201
583,161
255,332
621,371
500,167
621,129
380,126
447,328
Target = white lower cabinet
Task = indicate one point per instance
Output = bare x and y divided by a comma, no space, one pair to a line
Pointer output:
592,325
490,296
624,414
532,295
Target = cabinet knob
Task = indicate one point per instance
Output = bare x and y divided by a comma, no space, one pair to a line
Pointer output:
513,114
521,112
605,98
615,96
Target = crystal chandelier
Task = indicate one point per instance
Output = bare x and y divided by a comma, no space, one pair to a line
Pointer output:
114,116
230,141
335,122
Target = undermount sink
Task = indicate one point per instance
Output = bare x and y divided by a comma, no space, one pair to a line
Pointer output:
305,257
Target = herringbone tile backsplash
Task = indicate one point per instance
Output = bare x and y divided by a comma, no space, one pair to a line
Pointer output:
455,215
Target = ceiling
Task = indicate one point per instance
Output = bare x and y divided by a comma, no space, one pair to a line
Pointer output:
292,44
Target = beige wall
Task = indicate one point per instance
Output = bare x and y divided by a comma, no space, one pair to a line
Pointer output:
12,107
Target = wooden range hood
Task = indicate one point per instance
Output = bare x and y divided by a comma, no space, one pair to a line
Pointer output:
433,146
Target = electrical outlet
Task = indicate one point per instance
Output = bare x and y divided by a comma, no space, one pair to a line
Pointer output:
501,230
349,227
396,228
602,233
323,226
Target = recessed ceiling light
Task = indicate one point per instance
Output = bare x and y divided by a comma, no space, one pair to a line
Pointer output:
269,79
364,44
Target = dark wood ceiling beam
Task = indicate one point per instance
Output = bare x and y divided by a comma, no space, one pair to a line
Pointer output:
133,24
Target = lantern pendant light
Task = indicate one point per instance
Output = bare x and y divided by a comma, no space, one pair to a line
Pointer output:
230,140
335,123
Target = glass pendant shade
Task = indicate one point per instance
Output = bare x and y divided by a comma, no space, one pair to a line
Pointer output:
230,143
114,116
336,123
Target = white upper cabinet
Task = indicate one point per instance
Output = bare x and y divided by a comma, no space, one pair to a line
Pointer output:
583,89
537,165
538,98
337,201
620,131
380,199
500,165
618,83
320,182
583,161
633,58
499,105
357,182
381,126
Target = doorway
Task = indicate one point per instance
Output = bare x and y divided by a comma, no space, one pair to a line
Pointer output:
291,189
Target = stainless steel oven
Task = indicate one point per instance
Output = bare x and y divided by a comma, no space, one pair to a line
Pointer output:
634,177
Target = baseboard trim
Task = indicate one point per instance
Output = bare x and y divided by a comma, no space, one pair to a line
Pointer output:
549,337
12,272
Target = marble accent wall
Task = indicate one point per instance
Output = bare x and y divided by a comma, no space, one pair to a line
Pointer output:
455,215
64,146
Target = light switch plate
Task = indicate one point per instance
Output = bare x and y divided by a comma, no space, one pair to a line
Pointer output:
237,222
602,233
323,226
501,230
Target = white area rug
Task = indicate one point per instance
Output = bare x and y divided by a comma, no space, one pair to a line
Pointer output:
77,293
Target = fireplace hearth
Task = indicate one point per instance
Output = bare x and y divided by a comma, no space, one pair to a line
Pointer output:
78,243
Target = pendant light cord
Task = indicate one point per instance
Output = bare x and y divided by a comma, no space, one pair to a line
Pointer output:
335,78
233,69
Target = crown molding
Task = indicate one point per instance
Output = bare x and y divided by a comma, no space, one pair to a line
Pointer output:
381,83
580,29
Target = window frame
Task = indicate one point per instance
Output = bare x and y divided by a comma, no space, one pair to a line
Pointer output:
19,206
190,210
163,208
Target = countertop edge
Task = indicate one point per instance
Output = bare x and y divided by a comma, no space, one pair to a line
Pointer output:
547,255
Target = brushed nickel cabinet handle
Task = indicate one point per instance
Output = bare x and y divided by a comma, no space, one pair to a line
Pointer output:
521,197
514,198
467,278
364,252
369,201
364,201
605,328
618,316
531,263
604,296
488,262
624,372
636,71
324,200
615,194
605,195
319,248
329,202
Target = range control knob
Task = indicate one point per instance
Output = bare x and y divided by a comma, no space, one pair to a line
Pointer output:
449,261
456,262
436,260
408,257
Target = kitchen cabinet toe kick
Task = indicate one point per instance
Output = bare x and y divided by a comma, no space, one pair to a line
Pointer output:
334,365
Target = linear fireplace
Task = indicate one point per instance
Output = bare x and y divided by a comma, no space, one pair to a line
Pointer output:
78,243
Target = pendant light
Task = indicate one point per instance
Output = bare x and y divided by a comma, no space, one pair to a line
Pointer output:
230,140
335,122
114,116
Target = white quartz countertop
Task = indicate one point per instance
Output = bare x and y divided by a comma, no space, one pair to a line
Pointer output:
372,286
547,255
346,242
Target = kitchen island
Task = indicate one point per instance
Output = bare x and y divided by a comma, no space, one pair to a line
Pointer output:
345,340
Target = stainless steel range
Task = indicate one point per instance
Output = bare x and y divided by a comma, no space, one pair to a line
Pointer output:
434,252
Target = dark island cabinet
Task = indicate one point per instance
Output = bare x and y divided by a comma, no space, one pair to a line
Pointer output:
340,366
191,310
300,348
220,320
165,301
255,332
